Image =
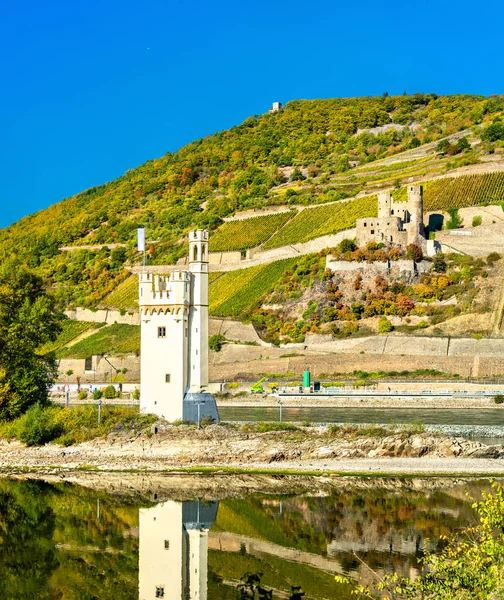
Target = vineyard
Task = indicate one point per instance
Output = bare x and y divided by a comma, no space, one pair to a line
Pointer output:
460,192
70,330
247,233
323,220
124,297
114,339
237,291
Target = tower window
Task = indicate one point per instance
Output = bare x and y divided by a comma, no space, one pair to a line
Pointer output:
203,252
167,378
167,544
160,591
161,332
88,364
372,231
195,253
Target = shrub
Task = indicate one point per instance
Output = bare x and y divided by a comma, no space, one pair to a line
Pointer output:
493,257
455,219
82,395
477,220
384,325
347,245
97,394
135,394
215,342
109,392
37,426
414,252
499,399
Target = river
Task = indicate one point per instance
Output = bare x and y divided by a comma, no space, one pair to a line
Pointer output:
66,541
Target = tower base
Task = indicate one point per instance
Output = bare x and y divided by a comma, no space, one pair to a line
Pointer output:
206,403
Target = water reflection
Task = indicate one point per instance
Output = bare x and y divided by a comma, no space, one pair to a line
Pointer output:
173,562
65,541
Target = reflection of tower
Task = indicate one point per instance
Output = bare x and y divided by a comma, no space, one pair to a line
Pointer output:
174,550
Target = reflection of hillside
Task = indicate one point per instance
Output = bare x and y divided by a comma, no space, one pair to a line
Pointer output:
387,528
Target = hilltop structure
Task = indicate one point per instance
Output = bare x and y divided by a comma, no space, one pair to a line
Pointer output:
398,223
275,107
173,553
174,339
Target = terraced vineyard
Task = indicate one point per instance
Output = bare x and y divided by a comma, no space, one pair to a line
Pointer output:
124,297
323,220
114,339
238,290
247,233
71,329
460,192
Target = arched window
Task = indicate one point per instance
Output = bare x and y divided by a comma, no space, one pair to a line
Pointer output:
203,252
195,253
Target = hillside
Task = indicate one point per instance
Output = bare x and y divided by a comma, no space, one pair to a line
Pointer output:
311,152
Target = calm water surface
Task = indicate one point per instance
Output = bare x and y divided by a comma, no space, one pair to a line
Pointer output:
64,541
438,416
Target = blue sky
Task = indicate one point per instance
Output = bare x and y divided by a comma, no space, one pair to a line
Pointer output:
90,89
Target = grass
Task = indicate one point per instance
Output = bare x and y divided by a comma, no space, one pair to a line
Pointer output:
323,220
70,330
237,291
267,426
247,233
73,425
124,297
114,339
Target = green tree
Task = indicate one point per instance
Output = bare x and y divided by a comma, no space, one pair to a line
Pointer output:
297,175
28,319
493,132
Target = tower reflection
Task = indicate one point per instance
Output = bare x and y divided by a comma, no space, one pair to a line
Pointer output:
174,550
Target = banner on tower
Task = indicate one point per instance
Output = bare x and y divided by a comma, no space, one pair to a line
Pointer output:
141,239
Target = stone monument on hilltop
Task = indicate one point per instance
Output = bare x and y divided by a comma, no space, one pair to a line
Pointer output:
174,338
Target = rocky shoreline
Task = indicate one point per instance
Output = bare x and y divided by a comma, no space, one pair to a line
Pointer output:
228,449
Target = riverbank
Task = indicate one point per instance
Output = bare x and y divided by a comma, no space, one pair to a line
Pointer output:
228,449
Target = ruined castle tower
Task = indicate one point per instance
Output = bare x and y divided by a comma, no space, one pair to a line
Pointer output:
397,224
415,228
174,338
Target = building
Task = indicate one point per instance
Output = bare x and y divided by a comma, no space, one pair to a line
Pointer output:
173,550
174,338
276,106
398,223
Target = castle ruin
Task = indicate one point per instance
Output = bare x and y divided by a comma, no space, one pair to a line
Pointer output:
398,223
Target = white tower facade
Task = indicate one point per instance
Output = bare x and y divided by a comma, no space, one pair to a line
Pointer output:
174,338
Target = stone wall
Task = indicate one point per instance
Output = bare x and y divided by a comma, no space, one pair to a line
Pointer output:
102,369
234,330
395,268
103,316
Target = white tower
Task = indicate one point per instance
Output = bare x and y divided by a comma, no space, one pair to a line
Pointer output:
174,338
198,316
173,561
